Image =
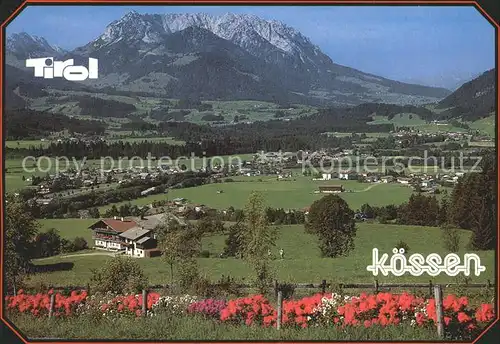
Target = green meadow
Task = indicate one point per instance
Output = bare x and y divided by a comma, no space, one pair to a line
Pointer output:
414,121
302,259
485,125
287,194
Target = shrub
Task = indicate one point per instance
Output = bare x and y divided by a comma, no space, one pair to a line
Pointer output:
48,243
119,275
205,254
226,286
402,245
188,273
79,244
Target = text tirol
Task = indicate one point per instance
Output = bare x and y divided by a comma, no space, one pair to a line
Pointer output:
417,264
48,68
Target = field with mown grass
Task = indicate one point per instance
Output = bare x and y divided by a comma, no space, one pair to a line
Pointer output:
485,125
302,261
154,139
287,194
404,120
26,143
197,328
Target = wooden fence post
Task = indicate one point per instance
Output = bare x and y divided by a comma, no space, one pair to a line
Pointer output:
88,289
376,286
323,286
280,309
430,288
275,287
52,303
438,297
144,302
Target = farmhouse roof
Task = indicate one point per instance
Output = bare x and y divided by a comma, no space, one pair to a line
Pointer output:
143,240
116,225
331,187
134,233
150,222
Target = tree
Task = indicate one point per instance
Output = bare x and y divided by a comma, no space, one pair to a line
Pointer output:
210,224
94,213
483,218
257,239
20,229
48,243
451,238
420,210
331,219
233,242
443,211
473,204
178,243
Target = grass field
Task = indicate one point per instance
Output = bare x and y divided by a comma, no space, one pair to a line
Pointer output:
404,120
155,139
26,144
485,125
484,144
302,262
370,136
198,329
281,194
69,228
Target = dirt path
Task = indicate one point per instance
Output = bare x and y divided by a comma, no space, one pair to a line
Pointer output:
110,254
368,188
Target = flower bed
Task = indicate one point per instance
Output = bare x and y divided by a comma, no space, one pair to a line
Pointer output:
39,304
209,308
382,309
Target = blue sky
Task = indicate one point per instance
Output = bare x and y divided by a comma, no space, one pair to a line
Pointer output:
423,44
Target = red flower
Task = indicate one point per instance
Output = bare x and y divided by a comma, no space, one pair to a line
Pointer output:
462,317
485,313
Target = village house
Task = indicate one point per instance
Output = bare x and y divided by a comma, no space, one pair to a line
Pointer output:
403,180
285,175
331,188
106,233
179,201
148,191
348,175
428,183
199,207
140,242
131,237
43,201
326,176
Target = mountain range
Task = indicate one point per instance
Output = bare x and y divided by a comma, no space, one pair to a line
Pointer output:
472,100
226,57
